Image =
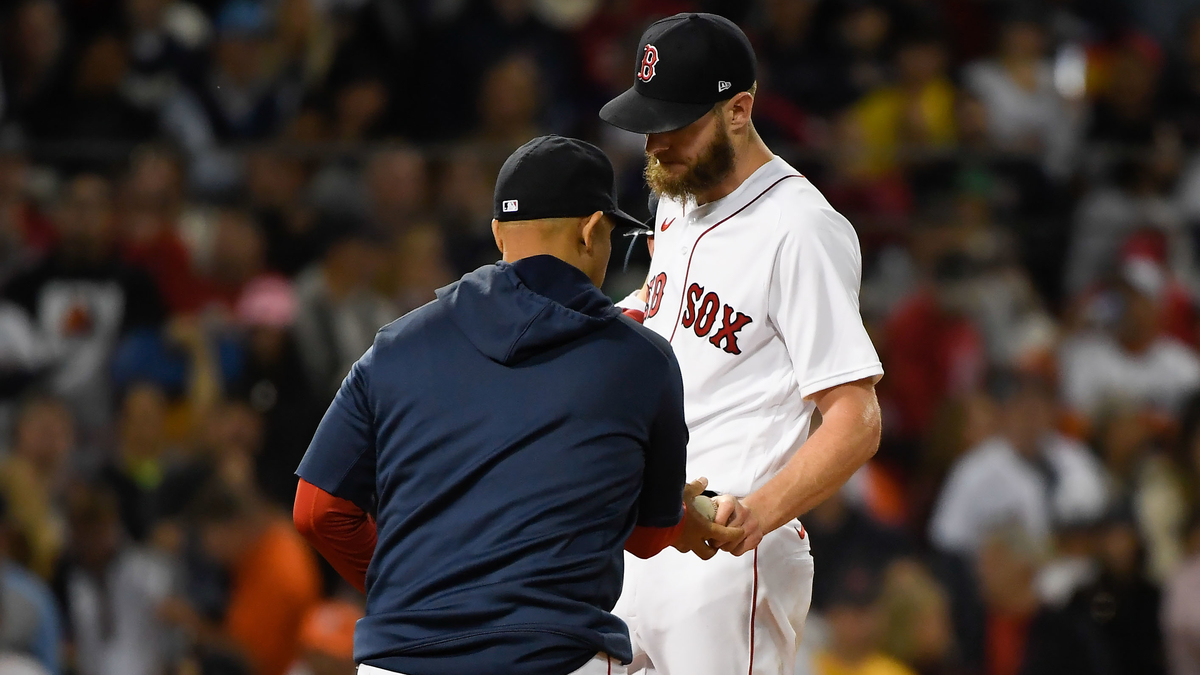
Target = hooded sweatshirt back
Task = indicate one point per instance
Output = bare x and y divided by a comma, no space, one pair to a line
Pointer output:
507,436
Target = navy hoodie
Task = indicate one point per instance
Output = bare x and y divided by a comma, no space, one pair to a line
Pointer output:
508,436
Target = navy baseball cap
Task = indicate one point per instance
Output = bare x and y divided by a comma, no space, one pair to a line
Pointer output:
686,64
557,177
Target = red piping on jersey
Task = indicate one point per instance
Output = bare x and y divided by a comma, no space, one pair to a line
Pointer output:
754,599
801,531
683,297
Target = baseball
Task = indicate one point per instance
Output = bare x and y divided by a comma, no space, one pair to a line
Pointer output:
705,507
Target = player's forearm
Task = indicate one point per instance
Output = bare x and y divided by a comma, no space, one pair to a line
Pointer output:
848,437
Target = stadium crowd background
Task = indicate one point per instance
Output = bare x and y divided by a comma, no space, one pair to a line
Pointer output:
207,208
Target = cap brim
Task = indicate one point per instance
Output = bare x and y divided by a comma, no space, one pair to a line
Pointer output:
624,220
640,114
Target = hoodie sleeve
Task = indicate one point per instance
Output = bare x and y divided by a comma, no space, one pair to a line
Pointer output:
341,458
661,501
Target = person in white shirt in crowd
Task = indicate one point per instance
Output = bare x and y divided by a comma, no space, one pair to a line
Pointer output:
1026,113
112,590
1028,474
1131,361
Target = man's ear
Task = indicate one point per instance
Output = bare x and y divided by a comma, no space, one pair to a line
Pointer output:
496,236
738,111
590,230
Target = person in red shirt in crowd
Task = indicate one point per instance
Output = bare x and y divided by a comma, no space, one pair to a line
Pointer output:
932,350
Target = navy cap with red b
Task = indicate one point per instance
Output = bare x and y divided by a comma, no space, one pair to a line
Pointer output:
685,65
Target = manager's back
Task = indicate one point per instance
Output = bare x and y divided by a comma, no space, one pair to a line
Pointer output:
508,437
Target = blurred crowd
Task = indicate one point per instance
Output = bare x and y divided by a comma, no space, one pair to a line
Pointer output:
208,207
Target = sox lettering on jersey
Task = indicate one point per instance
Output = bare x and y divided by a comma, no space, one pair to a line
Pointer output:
700,315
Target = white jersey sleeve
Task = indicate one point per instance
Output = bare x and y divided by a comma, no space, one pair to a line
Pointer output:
813,301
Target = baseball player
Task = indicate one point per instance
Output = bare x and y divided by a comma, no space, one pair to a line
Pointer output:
754,280
487,459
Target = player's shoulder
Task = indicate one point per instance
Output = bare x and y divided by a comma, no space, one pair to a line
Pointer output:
796,207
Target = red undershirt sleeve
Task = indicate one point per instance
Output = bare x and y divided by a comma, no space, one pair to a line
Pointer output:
338,529
646,542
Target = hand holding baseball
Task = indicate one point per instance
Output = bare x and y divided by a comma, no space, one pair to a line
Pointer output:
700,534
733,512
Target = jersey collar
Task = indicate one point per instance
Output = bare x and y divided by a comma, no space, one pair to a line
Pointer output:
750,188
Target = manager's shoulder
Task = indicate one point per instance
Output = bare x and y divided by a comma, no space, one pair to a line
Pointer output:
652,343
421,323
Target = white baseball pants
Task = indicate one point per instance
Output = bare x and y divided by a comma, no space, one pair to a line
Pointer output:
724,616
601,664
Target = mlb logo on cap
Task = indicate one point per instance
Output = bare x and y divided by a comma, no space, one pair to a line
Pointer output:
510,205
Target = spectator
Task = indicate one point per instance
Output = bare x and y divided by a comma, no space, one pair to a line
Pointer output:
858,57
165,40
1181,82
1028,475
339,312
1126,111
360,107
1110,215
273,579
150,209
1006,567
855,622
397,188
421,266
274,382
137,471
849,538
907,120
241,99
37,64
790,58
98,109
1181,612
29,618
25,232
932,348
1110,625
1132,361
237,255
274,183
83,298
327,639
483,35
32,478
917,621
1146,479
464,205
509,103
1025,111
111,590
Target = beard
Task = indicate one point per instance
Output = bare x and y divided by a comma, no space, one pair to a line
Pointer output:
713,165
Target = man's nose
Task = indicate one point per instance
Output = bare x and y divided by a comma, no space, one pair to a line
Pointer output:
656,143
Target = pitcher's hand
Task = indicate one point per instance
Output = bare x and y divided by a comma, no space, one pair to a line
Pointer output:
700,535
733,512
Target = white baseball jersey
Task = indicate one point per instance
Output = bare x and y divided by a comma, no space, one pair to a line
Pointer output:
758,294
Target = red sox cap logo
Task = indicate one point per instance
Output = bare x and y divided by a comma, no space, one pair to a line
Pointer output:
649,63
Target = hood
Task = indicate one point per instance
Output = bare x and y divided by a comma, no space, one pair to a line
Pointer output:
511,312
